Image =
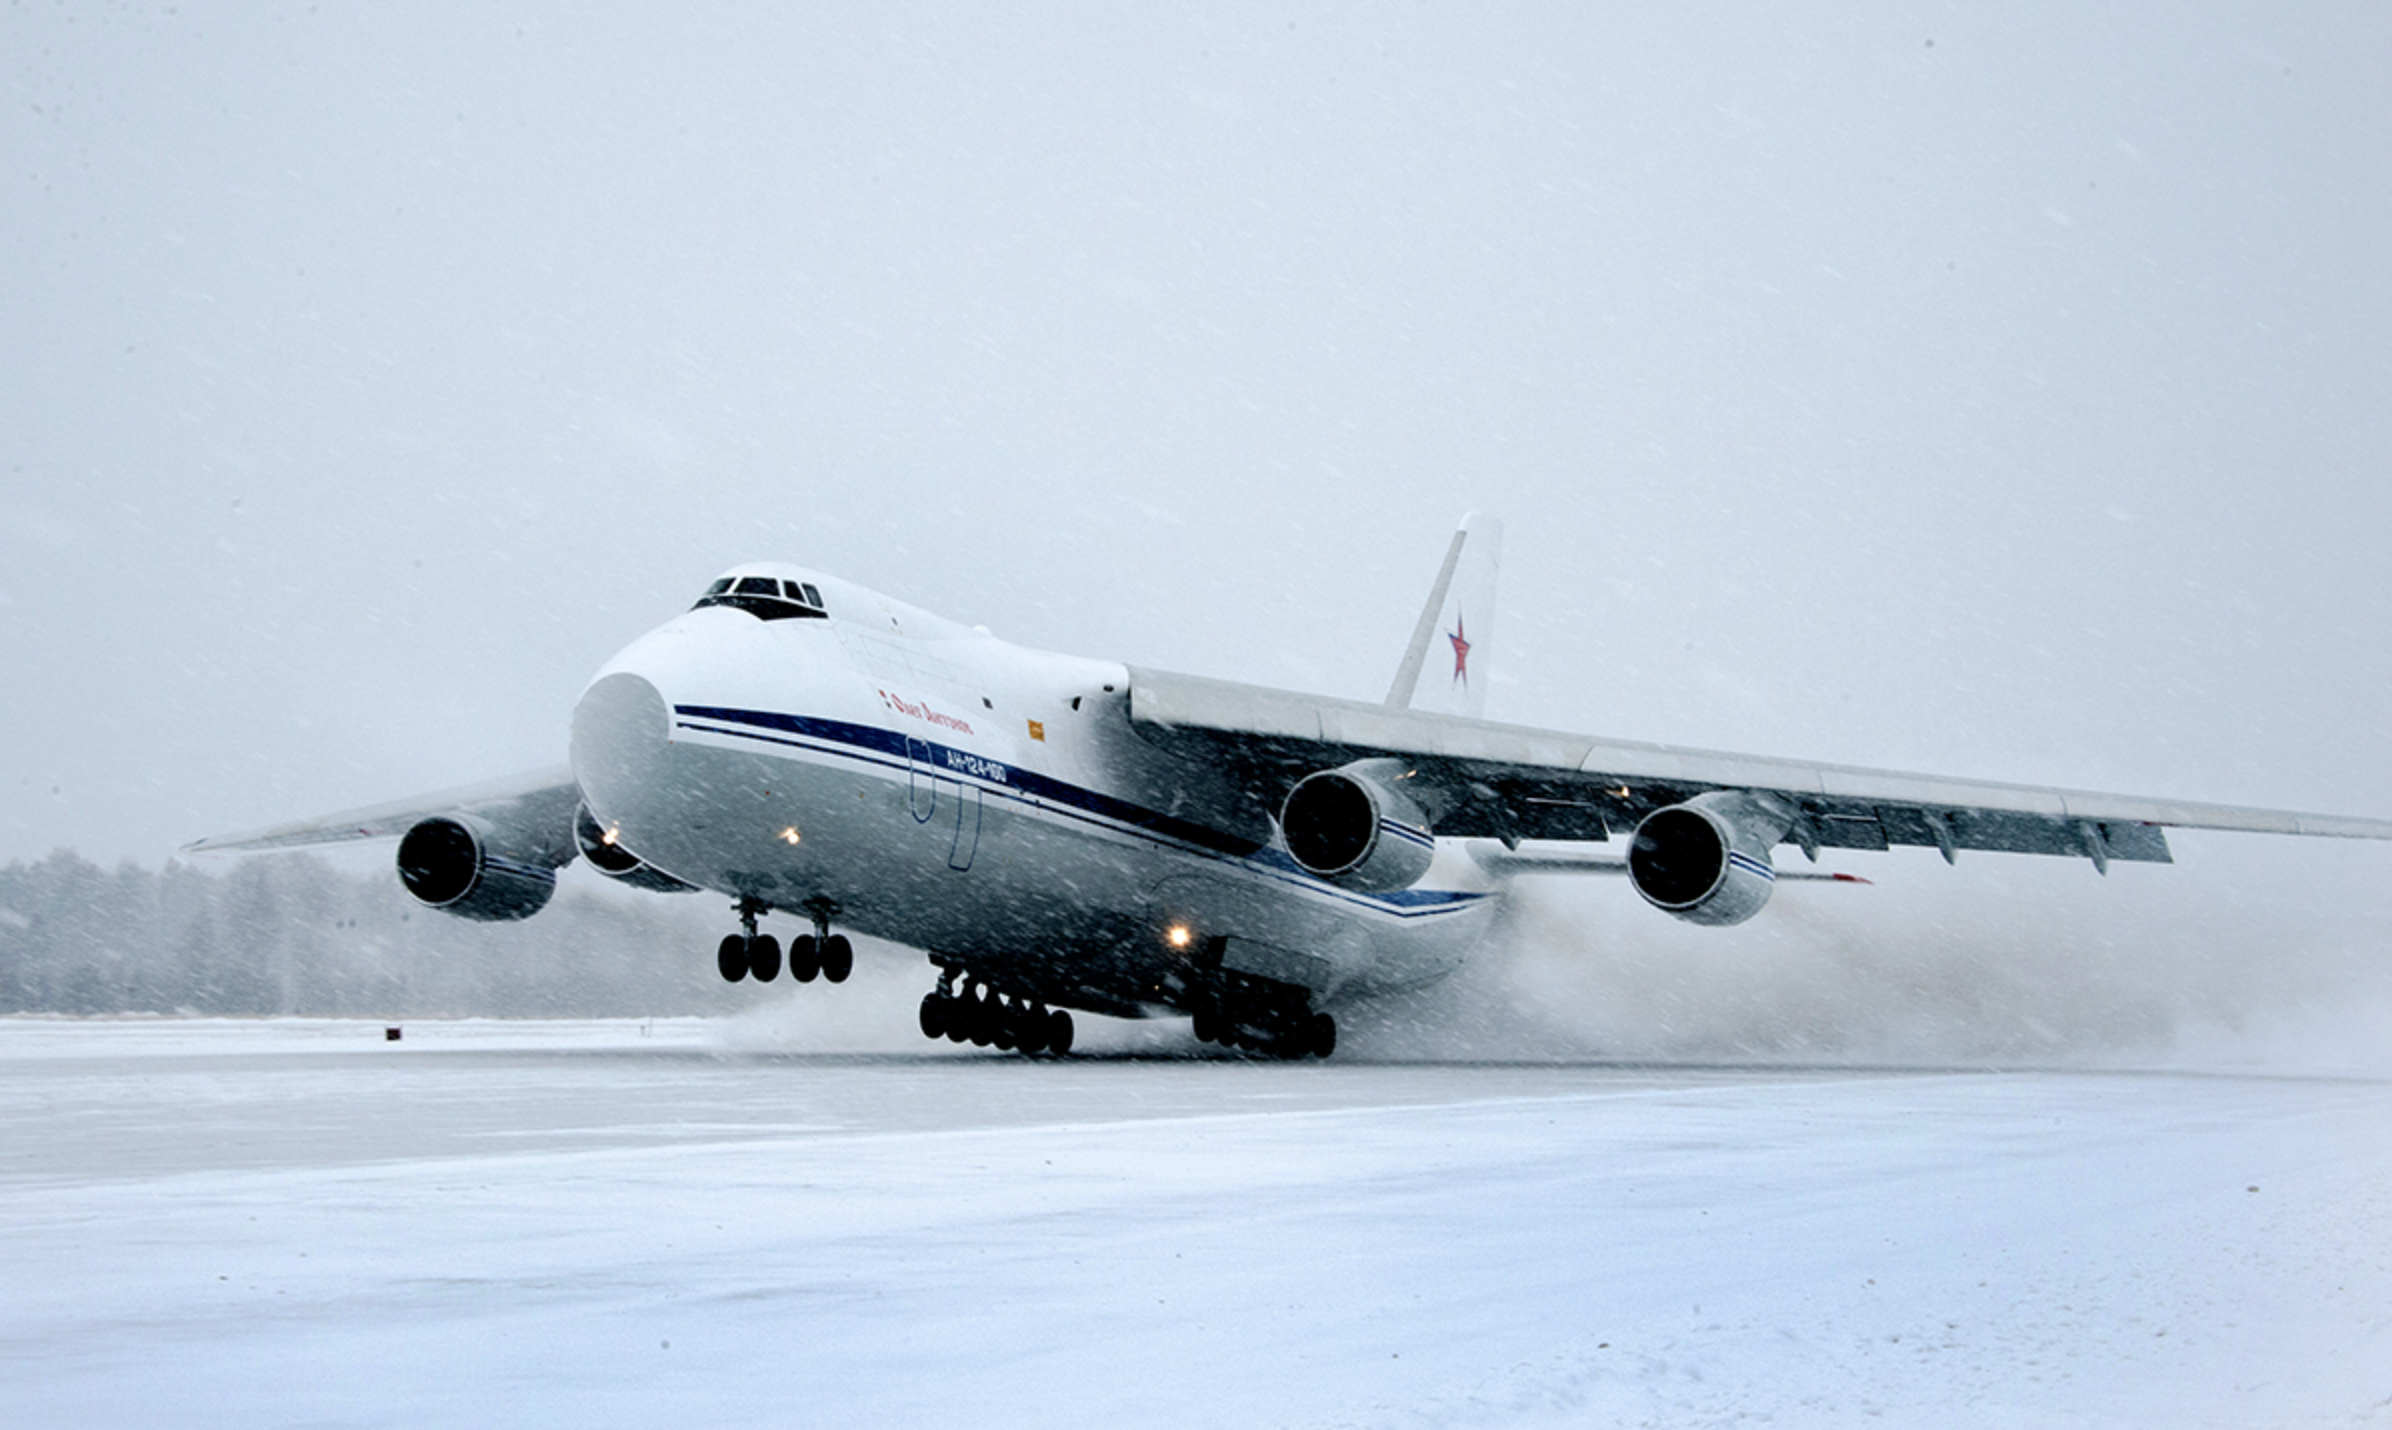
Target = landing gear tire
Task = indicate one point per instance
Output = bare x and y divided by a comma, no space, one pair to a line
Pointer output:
838,958
732,958
1287,1033
805,965
1031,1028
764,958
963,1009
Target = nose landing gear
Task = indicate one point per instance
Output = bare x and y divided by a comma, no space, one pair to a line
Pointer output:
749,954
821,953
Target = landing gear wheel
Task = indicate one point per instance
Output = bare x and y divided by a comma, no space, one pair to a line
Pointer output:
838,958
804,963
934,1014
1208,1026
764,958
1058,1032
1322,1035
732,958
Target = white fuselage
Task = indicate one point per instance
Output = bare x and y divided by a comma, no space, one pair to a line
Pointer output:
925,783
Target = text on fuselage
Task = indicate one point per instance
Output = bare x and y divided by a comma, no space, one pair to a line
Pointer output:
923,712
973,765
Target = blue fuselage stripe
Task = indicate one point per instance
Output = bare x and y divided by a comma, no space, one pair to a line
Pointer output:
949,762
913,754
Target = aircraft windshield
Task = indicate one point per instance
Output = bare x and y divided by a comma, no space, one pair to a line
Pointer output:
767,598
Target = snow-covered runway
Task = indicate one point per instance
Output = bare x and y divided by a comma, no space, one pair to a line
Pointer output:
611,1223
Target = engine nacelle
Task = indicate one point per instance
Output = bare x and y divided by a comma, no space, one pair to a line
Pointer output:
1352,828
1707,860
616,862
461,864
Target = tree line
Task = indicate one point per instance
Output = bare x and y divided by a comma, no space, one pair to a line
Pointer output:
292,935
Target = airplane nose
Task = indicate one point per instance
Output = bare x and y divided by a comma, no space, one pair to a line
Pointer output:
619,735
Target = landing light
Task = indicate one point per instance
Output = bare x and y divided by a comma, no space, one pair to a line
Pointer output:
1179,936
789,835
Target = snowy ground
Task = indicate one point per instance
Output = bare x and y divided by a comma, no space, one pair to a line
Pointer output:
624,1224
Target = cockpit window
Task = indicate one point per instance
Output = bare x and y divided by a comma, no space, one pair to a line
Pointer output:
765,597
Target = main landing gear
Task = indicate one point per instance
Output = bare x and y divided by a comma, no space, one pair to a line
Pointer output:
1271,1019
965,1009
749,954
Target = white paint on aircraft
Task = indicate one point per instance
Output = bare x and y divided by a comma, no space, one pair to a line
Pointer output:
1058,832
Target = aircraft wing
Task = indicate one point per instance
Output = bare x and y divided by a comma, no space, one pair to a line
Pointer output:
1493,857
543,798
1512,782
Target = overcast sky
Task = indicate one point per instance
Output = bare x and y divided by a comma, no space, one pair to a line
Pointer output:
2002,394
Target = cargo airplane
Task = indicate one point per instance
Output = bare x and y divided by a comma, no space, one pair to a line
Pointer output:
1061,833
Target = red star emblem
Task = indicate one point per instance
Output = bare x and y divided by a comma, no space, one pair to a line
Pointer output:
1461,651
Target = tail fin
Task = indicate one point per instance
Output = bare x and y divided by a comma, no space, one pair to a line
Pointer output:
1460,621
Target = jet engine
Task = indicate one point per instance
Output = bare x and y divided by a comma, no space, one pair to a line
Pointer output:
618,863
463,864
1707,860
1351,827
